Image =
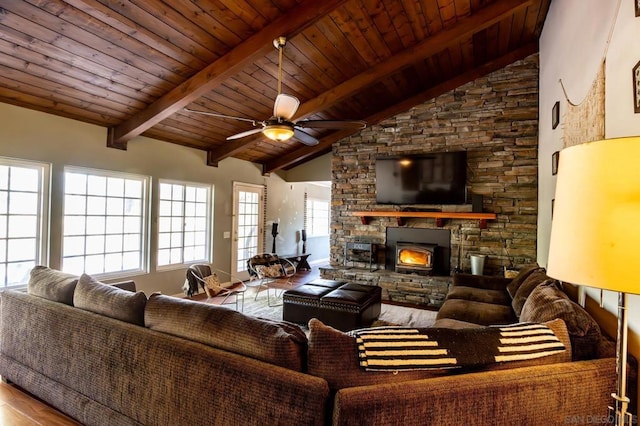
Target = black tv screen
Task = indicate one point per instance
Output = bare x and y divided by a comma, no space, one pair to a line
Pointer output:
435,178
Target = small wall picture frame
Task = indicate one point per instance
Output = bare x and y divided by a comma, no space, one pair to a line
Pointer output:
637,5
555,159
636,87
555,115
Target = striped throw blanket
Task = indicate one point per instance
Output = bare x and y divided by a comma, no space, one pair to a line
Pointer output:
400,348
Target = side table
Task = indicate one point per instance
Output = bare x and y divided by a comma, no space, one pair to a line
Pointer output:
300,260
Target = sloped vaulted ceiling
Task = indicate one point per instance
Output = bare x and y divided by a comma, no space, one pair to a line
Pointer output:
133,66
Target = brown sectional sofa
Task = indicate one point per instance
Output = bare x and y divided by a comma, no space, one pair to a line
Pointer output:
106,356
531,296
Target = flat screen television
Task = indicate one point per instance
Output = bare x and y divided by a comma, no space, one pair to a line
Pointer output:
434,178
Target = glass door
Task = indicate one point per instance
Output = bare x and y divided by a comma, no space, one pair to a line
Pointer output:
248,221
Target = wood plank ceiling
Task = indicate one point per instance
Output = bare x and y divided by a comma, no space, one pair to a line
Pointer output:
133,66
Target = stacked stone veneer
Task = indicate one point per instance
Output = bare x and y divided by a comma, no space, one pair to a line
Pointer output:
494,119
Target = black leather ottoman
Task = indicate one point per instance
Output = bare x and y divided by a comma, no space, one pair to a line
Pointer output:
300,304
341,305
350,306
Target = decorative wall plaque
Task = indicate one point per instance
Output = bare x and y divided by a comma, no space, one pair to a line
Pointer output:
555,114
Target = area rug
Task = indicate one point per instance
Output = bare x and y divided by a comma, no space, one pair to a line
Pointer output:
389,314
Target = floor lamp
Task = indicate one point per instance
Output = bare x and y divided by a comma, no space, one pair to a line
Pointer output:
595,232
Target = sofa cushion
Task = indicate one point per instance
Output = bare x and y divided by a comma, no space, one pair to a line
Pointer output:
524,290
94,296
497,297
476,312
517,281
52,284
548,302
487,282
275,342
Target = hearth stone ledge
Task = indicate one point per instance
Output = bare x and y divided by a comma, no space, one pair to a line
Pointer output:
412,289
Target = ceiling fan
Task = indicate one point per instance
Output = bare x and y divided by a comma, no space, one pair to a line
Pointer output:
281,126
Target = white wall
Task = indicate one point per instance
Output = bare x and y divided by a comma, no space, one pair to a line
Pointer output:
622,56
572,46
317,170
34,135
577,36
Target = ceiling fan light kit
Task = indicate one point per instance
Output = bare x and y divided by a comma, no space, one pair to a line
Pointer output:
281,127
278,132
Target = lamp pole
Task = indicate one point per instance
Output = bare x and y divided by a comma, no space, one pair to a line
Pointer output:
621,416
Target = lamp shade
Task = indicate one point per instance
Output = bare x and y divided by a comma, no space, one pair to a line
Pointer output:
595,231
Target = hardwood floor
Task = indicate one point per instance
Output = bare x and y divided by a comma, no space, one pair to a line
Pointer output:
17,408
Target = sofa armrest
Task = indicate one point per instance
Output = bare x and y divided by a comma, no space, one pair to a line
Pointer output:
481,281
507,397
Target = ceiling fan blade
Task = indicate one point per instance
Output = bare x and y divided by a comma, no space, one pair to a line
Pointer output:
285,106
243,134
332,124
305,138
215,114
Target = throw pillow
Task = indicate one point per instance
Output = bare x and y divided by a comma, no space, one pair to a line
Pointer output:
524,290
547,302
212,285
270,271
516,282
52,284
113,302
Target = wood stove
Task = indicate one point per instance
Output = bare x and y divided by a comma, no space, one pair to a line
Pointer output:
415,257
436,241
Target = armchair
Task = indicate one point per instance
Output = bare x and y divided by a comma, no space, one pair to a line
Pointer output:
272,272
221,287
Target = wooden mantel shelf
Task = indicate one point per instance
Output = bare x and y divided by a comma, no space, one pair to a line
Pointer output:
438,216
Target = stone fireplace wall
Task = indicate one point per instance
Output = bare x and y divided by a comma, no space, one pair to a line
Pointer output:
495,119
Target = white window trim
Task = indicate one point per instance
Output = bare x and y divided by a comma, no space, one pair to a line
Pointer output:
44,205
209,232
144,240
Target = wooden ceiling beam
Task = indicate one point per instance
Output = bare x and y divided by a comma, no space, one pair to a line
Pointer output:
305,153
214,74
480,21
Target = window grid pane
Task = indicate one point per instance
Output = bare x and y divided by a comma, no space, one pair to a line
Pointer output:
21,219
318,217
183,235
103,214
248,204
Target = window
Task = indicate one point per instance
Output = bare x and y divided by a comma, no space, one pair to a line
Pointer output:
104,228
23,210
183,223
317,220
